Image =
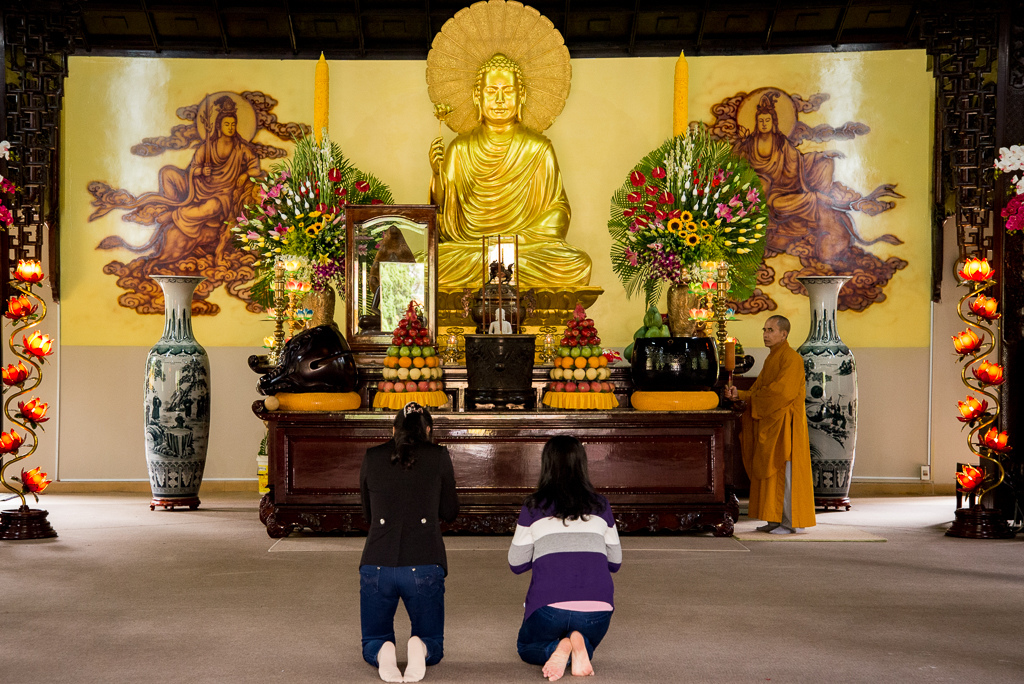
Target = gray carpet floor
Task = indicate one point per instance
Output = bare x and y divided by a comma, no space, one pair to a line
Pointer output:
129,595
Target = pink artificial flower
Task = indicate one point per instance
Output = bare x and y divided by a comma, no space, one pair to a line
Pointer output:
5,216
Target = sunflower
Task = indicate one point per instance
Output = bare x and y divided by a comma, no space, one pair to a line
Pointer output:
692,240
691,227
675,225
705,225
686,216
707,237
313,229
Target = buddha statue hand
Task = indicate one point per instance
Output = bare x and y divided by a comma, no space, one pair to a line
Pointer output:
436,155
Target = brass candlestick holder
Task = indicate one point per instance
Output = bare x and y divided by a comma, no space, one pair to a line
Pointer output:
280,304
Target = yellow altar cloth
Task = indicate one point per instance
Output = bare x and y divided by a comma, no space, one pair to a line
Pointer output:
319,401
674,401
397,400
580,400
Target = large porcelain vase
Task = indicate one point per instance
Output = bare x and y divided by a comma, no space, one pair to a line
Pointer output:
177,401
831,374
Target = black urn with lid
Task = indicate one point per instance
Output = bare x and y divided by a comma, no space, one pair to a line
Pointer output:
674,364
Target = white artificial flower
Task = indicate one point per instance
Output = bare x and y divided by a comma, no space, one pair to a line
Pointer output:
5,149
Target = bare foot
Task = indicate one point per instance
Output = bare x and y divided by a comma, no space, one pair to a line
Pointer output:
555,667
581,666
387,663
417,666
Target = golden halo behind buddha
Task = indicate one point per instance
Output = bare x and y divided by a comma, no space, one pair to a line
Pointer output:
477,33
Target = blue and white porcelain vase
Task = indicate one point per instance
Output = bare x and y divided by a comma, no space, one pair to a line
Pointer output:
177,401
831,374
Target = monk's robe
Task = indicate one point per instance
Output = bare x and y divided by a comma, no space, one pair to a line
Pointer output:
505,184
774,432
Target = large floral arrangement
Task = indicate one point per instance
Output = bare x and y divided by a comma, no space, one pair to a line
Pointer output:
300,216
1011,160
691,201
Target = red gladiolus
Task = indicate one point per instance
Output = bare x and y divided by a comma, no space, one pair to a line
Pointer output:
19,307
15,375
38,345
977,270
637,179
34,480
34,410
362,186
995,440
334,175
635,197
970,478
971,409
10,441
29,271
989,373
985,307
967,342
657,172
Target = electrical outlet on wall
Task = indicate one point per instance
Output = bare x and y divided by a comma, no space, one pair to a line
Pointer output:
926,472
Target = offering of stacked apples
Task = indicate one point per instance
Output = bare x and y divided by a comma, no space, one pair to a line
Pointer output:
580,365
412,364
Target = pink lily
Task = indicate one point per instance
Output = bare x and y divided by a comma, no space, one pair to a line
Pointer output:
723,212
252,235
631,255
752,195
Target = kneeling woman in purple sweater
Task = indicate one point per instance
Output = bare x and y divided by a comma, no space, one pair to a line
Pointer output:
566,535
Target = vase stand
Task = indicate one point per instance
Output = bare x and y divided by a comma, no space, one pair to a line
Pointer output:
25,523
978,522
191,502
837,503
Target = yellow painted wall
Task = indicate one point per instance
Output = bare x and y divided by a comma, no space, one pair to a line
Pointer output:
618,110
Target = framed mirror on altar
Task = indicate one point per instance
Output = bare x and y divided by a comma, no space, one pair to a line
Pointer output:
390,260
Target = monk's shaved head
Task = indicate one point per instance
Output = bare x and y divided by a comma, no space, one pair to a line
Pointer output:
781,322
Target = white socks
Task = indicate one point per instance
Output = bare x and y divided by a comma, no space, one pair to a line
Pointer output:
417,666
387,663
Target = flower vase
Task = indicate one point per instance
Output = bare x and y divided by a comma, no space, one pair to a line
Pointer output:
680,301
177,401
831,373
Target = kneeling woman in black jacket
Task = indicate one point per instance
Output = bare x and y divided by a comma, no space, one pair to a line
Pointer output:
408,488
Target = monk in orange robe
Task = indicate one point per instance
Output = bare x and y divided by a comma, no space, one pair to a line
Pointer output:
776,447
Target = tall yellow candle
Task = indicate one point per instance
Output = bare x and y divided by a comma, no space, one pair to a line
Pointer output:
321,97
680,115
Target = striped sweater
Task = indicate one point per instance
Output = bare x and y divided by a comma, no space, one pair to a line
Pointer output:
572,560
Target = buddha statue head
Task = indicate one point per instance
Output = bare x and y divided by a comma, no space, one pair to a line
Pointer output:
500,92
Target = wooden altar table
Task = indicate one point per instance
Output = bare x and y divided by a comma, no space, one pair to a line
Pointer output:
659,470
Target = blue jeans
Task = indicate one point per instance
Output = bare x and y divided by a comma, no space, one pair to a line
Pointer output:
541,632
421,587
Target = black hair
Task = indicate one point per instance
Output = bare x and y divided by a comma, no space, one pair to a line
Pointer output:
412,428
564,484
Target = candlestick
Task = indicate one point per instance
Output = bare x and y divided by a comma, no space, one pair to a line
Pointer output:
280,302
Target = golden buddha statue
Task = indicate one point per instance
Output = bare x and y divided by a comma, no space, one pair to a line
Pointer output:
498,74
502,178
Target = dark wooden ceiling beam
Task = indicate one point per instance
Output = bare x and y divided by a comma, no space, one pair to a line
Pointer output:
703,24
771,25
220,25
632,30
842,23
291,28
152,27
